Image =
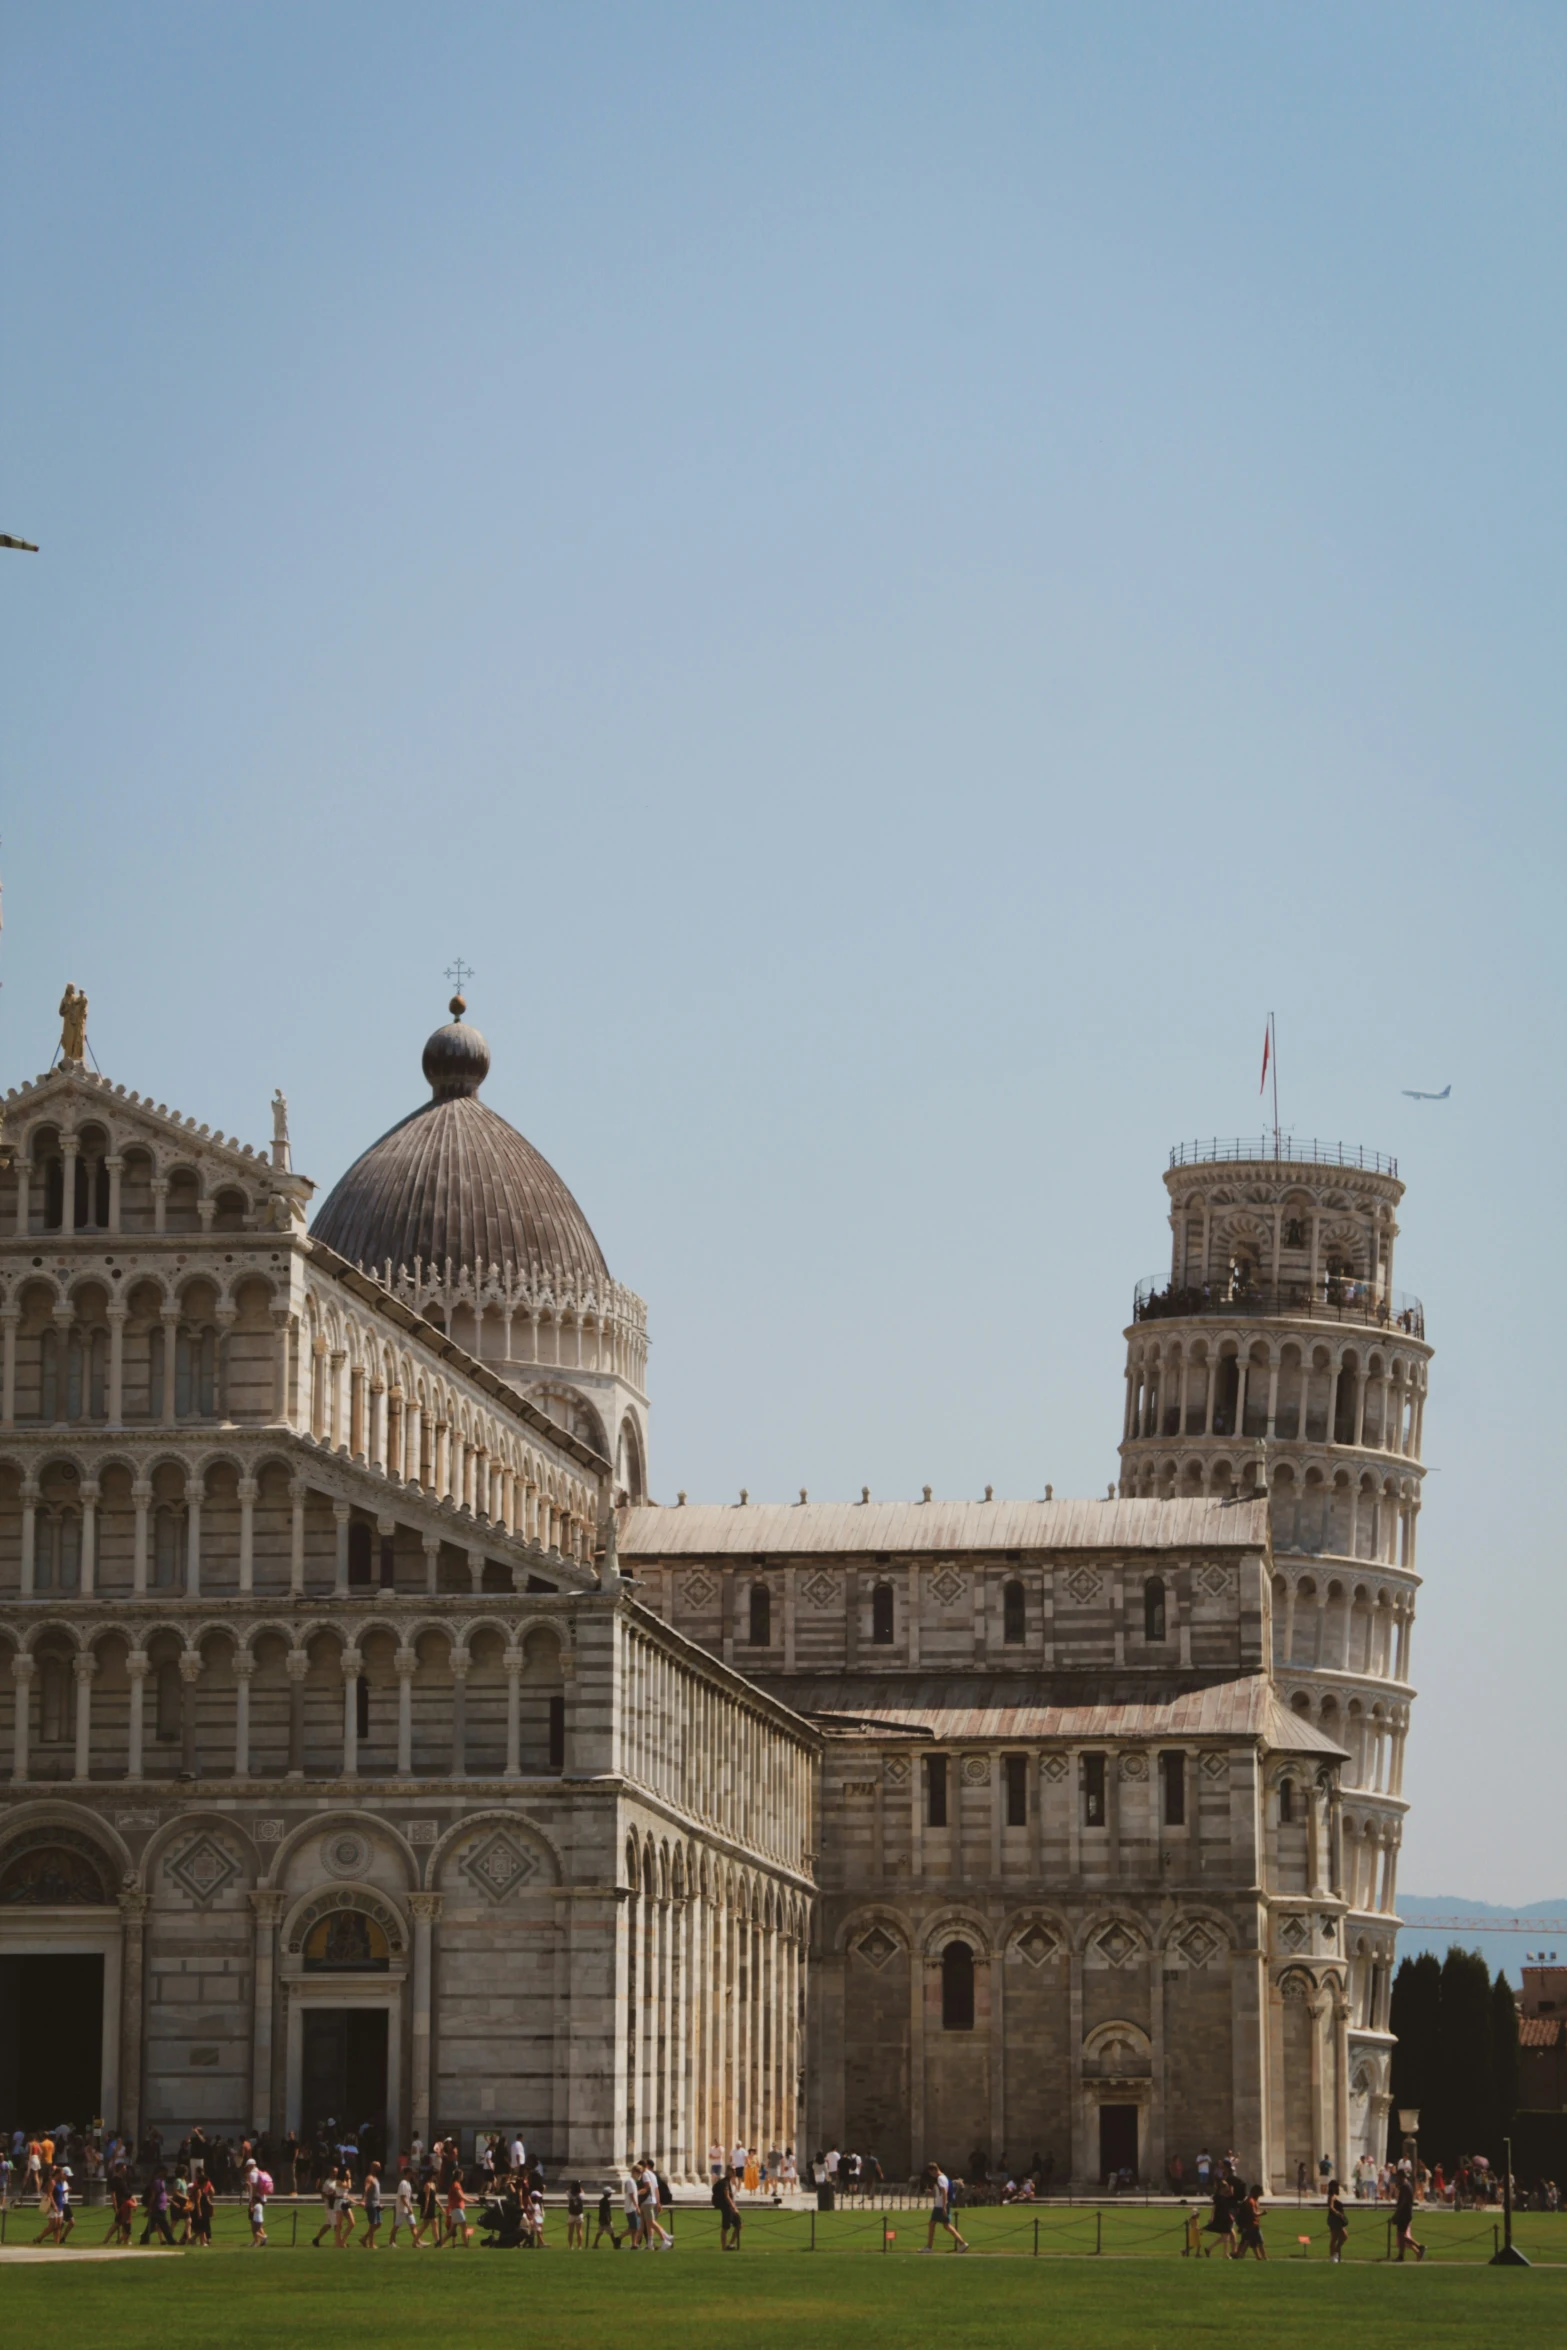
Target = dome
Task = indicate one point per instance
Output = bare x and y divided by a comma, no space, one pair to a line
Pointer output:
454,1181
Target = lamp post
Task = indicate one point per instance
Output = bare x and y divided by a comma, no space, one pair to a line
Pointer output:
1509,2256
1409,2127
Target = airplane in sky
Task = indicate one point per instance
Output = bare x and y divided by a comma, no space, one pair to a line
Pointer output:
1411,1095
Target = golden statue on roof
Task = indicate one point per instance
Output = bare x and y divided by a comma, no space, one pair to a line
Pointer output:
73,1024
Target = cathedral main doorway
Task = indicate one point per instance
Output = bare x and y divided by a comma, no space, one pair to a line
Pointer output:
1117,2140
51,2038
343,2074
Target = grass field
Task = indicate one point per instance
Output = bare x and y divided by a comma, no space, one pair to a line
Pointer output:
1138,2292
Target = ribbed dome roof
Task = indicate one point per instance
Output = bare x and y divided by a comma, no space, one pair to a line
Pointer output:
455,1181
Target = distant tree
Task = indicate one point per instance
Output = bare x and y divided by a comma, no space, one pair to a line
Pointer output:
1504,2060
1415,2019
1465,2076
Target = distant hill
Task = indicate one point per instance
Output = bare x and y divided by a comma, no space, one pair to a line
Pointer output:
1504,1951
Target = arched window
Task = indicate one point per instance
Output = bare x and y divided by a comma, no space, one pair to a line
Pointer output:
165,1550
168,1713
195,1374
761,1632
881,1615
1013,1615
1286,1802
957,1988
57,1559
54,1717
1153,1608
358,1553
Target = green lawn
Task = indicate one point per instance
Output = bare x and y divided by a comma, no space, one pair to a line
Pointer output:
1139,2292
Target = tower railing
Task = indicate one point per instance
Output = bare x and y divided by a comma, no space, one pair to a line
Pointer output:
1284,1147
1332,1297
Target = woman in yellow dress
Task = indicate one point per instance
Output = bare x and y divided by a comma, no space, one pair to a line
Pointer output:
753,2174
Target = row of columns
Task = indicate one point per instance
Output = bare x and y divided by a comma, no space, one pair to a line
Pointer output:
1147,1400
297,1666
712,2030
113,1161
393,1434
170,1322
1394,1666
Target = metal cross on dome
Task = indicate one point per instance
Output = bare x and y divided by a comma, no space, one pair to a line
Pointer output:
459,973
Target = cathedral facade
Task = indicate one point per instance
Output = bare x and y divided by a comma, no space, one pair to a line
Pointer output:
375,1746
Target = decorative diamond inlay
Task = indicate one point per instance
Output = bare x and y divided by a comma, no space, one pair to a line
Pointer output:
499,1865
1295,1934
699,1587
1198,1944
877,1947
821,1590
1116,1946
1215,1581
1055,1767
204,1868
947,1584
895,1770
1215,1766
1036,1945
1083,1585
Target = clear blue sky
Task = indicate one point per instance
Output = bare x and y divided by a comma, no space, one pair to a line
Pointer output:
893,577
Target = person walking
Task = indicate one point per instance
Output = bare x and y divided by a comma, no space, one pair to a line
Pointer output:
403,2210
1404,2218
651,2225
157,2210
1251,2225
576,2218
371,2201
258,2186
941,2209
1338,2220
328,2225
728,2213
457,2213
606,2223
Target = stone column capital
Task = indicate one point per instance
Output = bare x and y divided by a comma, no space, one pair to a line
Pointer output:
132,1902
244,1665
190,1666
268,1905
91,1490
405,1663
23,1667
342,1511
425,1906
138,1664
84,1666
296,1664
351,1662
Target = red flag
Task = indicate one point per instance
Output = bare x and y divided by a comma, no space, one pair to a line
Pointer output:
1267,1048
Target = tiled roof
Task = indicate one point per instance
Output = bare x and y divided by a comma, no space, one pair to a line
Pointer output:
944,1527
1539,2031
956,1708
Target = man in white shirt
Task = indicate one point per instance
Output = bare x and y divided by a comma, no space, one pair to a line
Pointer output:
517,2151
628,2197
941,2209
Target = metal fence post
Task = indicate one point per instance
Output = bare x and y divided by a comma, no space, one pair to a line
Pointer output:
1099,2231
1036,2235
813,2231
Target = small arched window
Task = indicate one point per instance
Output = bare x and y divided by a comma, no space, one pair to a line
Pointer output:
1286,1802
957,1988
881,1615
168,1714
54,1721
1013,1615
761,1631
1153,1608
165,1550
359,1553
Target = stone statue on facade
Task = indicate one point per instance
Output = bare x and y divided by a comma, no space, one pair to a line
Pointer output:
73,1024
280,1153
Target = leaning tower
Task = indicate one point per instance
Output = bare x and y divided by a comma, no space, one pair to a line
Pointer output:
1277,1355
